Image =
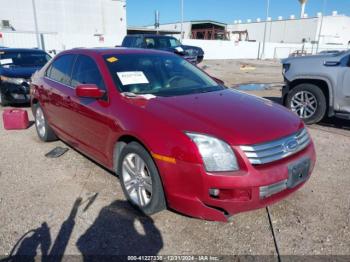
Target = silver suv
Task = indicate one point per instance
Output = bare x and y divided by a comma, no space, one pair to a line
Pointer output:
317,85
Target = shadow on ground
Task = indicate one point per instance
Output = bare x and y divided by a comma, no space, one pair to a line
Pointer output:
118,230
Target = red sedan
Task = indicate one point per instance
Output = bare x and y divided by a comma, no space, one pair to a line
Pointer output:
176,137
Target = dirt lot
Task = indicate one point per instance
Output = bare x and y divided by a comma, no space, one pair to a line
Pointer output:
70,205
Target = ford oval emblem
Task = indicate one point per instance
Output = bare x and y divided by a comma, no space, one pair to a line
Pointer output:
290,146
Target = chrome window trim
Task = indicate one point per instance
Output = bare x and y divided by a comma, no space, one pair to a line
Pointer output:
278,149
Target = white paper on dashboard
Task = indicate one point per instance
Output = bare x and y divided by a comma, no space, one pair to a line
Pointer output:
6,61
132,78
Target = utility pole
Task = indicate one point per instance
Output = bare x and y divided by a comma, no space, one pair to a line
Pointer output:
36,24
321,25
265,29
182,19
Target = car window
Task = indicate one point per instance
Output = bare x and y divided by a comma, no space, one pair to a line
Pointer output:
23,58
128,41
86,72
150,43
60,70
161,75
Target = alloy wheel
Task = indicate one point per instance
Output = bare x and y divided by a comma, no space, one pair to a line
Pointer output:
137,179
40,122
304,104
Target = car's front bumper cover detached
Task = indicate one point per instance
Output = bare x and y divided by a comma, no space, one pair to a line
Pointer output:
16,94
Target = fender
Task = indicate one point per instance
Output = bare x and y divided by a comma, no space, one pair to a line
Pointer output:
330,87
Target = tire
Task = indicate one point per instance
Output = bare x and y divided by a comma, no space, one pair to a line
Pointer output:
3,101
141,186
308,102
44,131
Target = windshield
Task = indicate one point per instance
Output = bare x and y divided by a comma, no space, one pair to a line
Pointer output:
160,75
162,42
23,59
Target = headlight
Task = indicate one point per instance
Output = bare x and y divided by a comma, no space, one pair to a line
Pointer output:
12,80
216,154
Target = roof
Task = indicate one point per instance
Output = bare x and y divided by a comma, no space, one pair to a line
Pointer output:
114,51
196,22
21,49
152,30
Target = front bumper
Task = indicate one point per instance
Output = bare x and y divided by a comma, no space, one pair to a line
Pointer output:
16,94
188,186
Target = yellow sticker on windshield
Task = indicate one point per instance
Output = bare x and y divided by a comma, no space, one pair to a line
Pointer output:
112,59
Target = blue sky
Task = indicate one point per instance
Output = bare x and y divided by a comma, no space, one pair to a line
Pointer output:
141,12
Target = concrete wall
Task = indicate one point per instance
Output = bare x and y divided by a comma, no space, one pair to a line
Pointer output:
76,23
335,30
252,50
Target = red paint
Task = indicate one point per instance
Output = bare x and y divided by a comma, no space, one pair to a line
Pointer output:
15,119
88,91
95,126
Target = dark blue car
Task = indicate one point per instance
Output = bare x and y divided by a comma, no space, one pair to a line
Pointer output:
192,54
16,68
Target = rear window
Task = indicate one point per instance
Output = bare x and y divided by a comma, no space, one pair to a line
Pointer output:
23,59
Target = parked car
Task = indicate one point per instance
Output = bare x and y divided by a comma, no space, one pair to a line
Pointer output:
175,137
16,67
193,54
316,86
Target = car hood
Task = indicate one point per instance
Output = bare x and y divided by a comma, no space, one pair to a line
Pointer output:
195,48
20,72
311,58
230,115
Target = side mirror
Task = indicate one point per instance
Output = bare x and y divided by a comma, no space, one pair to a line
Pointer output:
89,91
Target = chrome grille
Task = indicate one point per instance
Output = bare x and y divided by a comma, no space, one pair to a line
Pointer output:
272,151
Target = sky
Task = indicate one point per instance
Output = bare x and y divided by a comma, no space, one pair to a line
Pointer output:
141,12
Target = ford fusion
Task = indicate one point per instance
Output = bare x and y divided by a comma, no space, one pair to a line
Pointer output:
175,137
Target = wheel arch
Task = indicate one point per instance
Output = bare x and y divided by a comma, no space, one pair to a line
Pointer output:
323,83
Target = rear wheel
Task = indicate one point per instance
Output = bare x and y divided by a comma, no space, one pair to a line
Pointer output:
140,179
44,131
308,102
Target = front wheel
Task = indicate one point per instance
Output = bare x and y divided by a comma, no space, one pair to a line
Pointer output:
308,102
140,180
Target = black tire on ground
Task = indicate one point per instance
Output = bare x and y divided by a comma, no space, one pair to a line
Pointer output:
3,101
48,135
157,202
320,101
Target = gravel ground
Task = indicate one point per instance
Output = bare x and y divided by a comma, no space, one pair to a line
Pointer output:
70,205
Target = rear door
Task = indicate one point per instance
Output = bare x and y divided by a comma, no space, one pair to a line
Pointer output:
90,121
57,89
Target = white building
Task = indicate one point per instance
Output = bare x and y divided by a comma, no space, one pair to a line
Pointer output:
62,24
335,30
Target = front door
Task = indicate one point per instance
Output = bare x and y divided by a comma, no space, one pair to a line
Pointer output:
89,119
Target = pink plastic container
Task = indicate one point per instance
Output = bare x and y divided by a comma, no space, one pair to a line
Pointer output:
15,119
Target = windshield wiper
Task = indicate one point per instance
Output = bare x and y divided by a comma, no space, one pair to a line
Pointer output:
133,95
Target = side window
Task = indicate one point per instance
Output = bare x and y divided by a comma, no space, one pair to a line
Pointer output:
150,43
86,72
128,41
60,70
